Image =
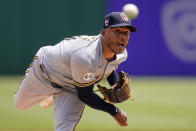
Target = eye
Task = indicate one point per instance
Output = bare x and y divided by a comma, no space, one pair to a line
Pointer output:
117,31
126,33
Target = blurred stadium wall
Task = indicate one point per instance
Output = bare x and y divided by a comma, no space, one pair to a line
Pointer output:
165,43
26,25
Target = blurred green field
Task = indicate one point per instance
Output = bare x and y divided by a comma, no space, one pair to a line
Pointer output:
161,103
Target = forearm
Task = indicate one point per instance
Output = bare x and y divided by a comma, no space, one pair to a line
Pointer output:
91,99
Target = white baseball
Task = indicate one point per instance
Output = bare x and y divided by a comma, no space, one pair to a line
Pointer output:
131,10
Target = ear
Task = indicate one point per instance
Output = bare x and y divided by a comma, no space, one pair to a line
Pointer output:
103,33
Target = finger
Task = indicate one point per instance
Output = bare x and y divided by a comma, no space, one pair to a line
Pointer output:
123,121
123,124
125,118
120,122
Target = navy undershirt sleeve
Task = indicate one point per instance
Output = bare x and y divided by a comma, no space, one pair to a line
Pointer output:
91,99
112,78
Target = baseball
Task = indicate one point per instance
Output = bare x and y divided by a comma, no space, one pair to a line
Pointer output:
131,10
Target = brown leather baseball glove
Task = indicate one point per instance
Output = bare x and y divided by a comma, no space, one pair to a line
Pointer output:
119,92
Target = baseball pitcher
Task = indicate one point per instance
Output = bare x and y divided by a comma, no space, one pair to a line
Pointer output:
66,73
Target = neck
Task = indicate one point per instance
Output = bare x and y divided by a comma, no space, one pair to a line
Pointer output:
107,53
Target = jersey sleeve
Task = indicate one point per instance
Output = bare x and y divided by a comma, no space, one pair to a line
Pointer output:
82,70
112,78
91,99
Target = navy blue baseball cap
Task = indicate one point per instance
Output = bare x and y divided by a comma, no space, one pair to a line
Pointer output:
118,19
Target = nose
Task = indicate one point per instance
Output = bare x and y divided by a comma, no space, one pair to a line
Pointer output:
122,38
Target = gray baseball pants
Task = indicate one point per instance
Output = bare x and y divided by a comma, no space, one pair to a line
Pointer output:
67,107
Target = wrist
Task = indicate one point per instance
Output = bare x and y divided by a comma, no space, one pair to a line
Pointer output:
114,112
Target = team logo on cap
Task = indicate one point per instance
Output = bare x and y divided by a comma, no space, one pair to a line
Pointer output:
124,17
106,22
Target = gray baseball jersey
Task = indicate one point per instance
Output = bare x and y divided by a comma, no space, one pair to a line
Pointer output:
78,60
75,61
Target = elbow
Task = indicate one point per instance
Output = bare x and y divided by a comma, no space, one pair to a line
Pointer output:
84,93
83,98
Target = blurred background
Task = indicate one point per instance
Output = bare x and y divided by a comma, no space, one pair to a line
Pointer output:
162,59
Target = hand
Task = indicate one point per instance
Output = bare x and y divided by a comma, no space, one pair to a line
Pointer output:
121,118
47,102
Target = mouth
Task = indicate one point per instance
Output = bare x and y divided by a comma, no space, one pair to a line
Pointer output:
120,45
